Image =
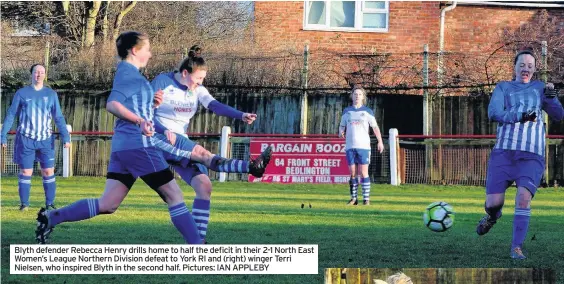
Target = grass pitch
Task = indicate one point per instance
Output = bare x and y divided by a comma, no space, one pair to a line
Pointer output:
387,234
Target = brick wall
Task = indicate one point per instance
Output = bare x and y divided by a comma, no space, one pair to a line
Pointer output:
279,25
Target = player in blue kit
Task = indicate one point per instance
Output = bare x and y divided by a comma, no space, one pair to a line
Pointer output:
355,126
518,155
133,152
36,106
182,92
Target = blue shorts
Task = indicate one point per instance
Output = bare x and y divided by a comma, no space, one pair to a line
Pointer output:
358,156
27,151
137,162
508,166
177,154
190,171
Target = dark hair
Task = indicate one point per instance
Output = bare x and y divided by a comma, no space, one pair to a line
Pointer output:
33,66
193,62
127,40
195,51
523,53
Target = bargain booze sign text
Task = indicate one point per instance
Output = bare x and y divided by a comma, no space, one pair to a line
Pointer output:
302,160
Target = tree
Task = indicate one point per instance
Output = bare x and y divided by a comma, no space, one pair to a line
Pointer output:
544,27
78,22
119,17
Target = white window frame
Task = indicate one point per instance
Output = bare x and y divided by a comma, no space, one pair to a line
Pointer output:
359,11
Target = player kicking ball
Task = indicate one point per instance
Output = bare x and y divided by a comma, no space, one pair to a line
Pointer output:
519,153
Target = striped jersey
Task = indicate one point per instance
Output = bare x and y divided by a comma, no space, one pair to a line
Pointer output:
179,103
133,91
508,103
36,110
358,122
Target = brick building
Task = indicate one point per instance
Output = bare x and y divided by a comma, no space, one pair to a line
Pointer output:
472,26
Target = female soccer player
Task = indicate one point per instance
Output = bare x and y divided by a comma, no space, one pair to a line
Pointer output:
355,124
36,106
518,155
182,92
133,152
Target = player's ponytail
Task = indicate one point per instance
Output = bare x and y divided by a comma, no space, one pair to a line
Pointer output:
194,61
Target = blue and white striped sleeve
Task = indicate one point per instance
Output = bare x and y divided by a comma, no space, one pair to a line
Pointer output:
497,111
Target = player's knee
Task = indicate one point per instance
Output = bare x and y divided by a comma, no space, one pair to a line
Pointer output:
202,186
26,172
200,154
48,172
523,202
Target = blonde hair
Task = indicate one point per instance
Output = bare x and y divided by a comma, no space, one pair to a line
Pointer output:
399,278
362,91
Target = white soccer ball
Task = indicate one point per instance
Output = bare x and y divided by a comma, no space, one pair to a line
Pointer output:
438,216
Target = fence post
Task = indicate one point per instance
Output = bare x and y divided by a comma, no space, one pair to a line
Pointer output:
544,77
67,160
427,111
46,59
224,148
303,115
394,173
425,90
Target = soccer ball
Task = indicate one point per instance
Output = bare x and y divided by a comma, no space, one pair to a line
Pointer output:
438,216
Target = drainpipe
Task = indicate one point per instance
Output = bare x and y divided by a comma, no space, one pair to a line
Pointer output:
442,41
440,76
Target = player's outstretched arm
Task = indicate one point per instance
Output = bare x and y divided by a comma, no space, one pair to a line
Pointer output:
550,103
497,111
225,110
9,120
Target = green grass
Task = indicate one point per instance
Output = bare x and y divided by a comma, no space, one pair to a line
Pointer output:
387,234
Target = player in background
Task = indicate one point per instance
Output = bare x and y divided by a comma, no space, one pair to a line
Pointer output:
133,152
182,93
518,155
355,126
36,106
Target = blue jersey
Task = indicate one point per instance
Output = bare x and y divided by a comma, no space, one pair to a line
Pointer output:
358,122
135,93
508,103
36,110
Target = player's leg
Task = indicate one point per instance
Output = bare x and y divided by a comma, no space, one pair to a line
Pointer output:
46,156
353,181
196,175
24,156
188,151
498,178
363,160
117,186
150,165
531,168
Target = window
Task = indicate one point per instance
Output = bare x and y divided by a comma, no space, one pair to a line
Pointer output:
362,16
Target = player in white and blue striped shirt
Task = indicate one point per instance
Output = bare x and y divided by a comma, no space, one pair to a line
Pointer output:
518,155
356,123
35,106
